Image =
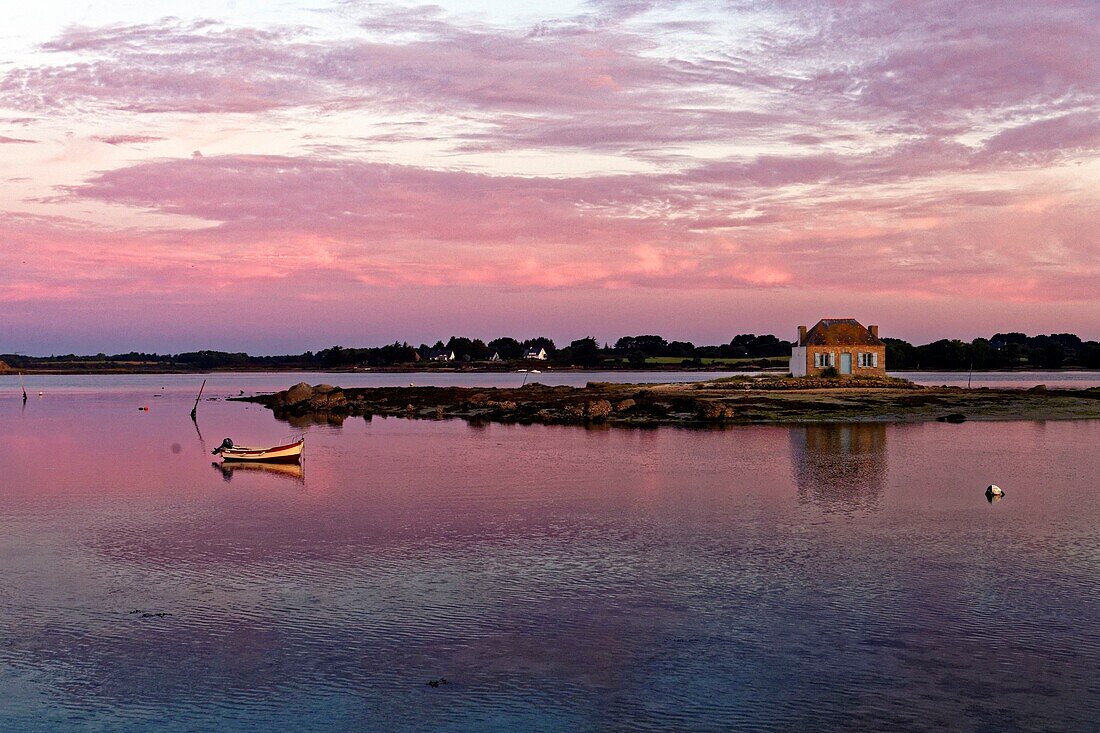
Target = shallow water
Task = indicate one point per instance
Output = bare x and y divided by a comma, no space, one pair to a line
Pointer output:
225,384
838,577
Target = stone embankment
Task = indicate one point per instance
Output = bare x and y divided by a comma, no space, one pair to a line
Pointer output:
738,400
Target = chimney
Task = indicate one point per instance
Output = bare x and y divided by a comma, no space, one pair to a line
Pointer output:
801,336
874,331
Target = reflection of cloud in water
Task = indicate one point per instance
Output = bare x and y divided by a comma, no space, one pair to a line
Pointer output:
841,467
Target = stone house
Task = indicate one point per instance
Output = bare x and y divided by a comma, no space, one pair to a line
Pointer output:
842,343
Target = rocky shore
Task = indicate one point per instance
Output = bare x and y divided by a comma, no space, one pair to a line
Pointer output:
736,400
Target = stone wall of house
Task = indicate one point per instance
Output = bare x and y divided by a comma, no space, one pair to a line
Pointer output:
855,351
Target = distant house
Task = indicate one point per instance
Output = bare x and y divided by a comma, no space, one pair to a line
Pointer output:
495,356
535,352
441,355
841,343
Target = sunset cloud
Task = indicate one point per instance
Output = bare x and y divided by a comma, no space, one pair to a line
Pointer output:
126,139
901,150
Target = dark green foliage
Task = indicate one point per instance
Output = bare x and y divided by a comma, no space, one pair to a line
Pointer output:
541,342
900,355
508,348
648,345
582,352
1003,351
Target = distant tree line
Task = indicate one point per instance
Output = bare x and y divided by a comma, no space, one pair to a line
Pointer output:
1002,351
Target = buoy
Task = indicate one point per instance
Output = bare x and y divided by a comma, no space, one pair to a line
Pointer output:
994,490
39,394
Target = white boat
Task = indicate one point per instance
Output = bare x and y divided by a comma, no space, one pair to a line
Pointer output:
289,453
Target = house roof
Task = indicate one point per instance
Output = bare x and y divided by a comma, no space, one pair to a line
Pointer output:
840,332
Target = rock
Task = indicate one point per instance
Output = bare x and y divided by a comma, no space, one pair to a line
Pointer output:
324,388
625,404
574,411
597,409
1038,389
299,393
506,405
328,400
478,398
954,417
714,411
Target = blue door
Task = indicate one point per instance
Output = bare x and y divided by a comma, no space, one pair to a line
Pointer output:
845,363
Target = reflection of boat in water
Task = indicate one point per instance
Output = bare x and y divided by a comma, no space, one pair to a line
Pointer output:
289,470
289,453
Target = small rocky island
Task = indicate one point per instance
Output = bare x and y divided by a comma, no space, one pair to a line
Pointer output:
731,401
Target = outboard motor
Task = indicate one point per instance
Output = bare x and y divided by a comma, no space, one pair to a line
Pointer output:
227,443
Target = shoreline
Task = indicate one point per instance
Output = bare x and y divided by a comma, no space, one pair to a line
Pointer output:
729,401
503,370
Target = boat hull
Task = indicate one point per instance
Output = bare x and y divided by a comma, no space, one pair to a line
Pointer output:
291,453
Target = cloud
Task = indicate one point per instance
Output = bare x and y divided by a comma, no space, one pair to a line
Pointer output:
711,227
4,140
1079,131
894,149
126,139
613,79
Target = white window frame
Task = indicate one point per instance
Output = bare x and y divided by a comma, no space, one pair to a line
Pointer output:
868,359
824,360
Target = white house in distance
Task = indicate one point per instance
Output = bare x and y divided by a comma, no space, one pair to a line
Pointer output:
442,355
535,352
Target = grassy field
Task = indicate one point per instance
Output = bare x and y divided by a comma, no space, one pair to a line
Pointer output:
717,361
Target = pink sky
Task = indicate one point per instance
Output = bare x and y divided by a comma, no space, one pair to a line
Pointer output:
367,172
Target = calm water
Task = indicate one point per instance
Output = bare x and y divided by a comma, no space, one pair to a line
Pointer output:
766,578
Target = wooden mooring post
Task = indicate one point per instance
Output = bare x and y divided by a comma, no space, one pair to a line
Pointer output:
195,409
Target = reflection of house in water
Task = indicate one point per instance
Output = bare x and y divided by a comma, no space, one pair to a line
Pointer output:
841,467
